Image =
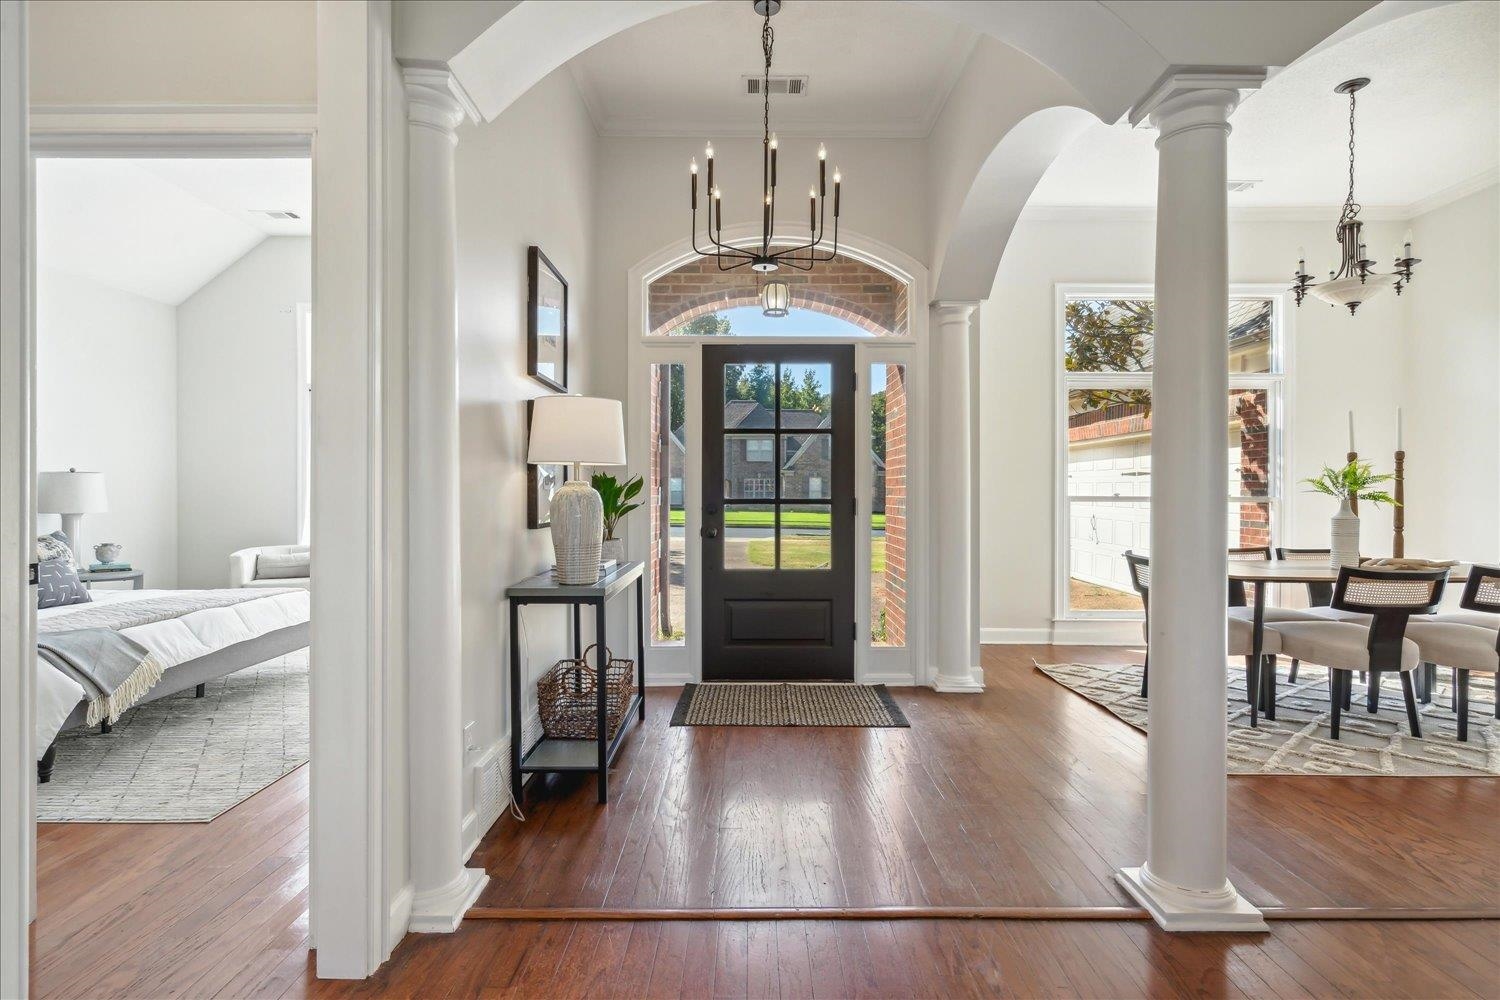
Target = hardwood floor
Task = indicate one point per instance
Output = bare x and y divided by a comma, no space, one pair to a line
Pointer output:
1024,795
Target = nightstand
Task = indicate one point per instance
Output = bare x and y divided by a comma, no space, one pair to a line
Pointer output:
136,577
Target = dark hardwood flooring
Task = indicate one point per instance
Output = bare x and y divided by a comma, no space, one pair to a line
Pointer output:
1025,795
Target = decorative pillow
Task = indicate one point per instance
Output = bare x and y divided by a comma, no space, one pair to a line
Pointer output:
58,585
283,565
54,546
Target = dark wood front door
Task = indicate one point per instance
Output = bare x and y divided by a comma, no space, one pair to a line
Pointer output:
778,513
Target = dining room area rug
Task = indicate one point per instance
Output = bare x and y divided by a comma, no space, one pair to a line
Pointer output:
1298,740
865,706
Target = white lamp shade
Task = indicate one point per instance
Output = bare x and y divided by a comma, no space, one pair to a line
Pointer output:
71,492
582,430
1352,290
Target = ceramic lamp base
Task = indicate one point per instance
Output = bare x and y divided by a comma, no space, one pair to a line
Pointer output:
577,532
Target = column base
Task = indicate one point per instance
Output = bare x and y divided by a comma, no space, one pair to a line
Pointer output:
1176,909
973,683
442,910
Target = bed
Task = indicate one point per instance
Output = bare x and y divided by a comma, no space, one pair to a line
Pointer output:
197,635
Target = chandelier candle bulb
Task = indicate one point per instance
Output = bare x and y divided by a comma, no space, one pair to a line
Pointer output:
693,169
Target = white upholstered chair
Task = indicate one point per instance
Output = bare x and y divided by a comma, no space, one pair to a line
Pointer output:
282,566
1468,641
1378,646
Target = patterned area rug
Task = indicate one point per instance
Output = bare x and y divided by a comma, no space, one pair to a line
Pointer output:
1298,742
183,759
869,706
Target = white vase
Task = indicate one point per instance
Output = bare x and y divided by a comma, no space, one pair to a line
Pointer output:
1343,543
614,548
577,532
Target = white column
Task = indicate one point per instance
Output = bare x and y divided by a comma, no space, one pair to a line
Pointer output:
953,628
1184,880
443,889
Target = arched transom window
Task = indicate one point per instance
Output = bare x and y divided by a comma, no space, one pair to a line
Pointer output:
844,297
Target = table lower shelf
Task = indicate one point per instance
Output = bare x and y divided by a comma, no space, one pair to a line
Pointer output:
550,755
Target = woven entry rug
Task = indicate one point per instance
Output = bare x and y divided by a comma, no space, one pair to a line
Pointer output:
868,706
1299,742
183,759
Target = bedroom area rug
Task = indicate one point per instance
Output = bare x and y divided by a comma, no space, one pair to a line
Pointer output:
1298,741
183,759
866,706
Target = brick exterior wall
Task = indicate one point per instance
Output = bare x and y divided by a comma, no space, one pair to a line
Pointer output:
844,287
895,505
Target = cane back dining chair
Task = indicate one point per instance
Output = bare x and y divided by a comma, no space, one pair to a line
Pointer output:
1467,641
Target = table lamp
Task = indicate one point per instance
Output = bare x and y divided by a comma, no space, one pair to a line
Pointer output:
72,494
577,431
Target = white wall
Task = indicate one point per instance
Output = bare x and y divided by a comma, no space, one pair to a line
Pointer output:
106,400
1338,363
1450,364
237,409
525,178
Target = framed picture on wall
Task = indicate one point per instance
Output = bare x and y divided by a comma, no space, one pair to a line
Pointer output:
546,322
541,482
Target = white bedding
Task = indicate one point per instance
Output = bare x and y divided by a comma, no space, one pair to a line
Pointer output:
174,641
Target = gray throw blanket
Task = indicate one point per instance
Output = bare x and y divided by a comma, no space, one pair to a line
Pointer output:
115,672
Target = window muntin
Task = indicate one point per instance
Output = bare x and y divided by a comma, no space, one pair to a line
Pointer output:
1106,357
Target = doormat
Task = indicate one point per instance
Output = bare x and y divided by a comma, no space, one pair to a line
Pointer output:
867,706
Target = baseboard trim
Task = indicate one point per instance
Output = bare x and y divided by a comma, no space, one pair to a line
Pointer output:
400,918
1068,632
891,679
675,678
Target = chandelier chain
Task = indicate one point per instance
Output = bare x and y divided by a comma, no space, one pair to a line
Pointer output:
1351,207
767,41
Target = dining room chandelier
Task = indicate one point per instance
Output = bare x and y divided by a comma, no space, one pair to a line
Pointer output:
1353,283
761,255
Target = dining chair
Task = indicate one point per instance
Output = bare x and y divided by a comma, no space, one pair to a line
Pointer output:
1239,635
1237,598
1378,646
1467,641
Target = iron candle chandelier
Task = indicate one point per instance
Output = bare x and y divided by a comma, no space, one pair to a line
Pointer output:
1353,282
762,256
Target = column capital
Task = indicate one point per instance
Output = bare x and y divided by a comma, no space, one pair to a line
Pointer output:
955,310
1186,98
434,97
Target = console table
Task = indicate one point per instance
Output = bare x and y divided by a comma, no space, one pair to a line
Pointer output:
552,755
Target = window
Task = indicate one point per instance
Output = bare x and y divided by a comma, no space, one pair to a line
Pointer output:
888,543
1107,352
759,449
845,298
667,555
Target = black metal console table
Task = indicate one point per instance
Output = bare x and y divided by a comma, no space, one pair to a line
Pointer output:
550,755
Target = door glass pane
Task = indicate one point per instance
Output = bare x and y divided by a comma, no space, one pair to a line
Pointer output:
1099,533
1109,442
888,540
1249,443
806,466
749,397
806,537
806,392
749,466
749,536
667,558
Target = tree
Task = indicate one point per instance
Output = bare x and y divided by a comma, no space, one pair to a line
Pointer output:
1109,335
707,325
877,423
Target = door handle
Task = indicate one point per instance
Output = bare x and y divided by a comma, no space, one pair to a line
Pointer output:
709,532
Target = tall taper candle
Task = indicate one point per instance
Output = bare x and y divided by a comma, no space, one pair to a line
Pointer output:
837,179
1351,432
812,209
694,169
1398,429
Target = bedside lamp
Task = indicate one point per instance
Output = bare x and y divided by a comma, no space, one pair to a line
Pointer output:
72,494
577,431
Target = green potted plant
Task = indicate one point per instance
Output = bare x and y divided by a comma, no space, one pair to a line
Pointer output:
619,500
1355,481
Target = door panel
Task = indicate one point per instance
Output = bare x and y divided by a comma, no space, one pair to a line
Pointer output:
778,512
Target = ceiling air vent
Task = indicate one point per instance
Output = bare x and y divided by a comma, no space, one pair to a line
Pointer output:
791,86
1237,186
279,214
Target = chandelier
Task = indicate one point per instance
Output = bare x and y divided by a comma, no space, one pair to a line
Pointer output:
762,256
1353,282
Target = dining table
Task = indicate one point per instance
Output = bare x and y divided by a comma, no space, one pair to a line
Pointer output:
1262,573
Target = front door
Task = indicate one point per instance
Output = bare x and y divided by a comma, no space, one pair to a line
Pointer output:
778,513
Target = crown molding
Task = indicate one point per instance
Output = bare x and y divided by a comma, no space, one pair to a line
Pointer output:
1454,192
655,128
165,117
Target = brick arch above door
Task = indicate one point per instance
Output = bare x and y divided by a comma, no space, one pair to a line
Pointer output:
847,288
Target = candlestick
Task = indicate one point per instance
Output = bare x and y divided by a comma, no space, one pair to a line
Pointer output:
812,209
693,168
1398,516
838,178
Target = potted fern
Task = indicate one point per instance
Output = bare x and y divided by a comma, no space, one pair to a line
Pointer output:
1355,481
619,500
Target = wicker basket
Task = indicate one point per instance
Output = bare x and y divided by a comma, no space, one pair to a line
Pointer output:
568,702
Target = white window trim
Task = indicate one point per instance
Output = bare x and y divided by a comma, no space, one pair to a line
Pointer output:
1279,387
303,389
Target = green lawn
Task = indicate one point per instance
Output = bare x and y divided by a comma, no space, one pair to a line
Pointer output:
805,553
762,519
